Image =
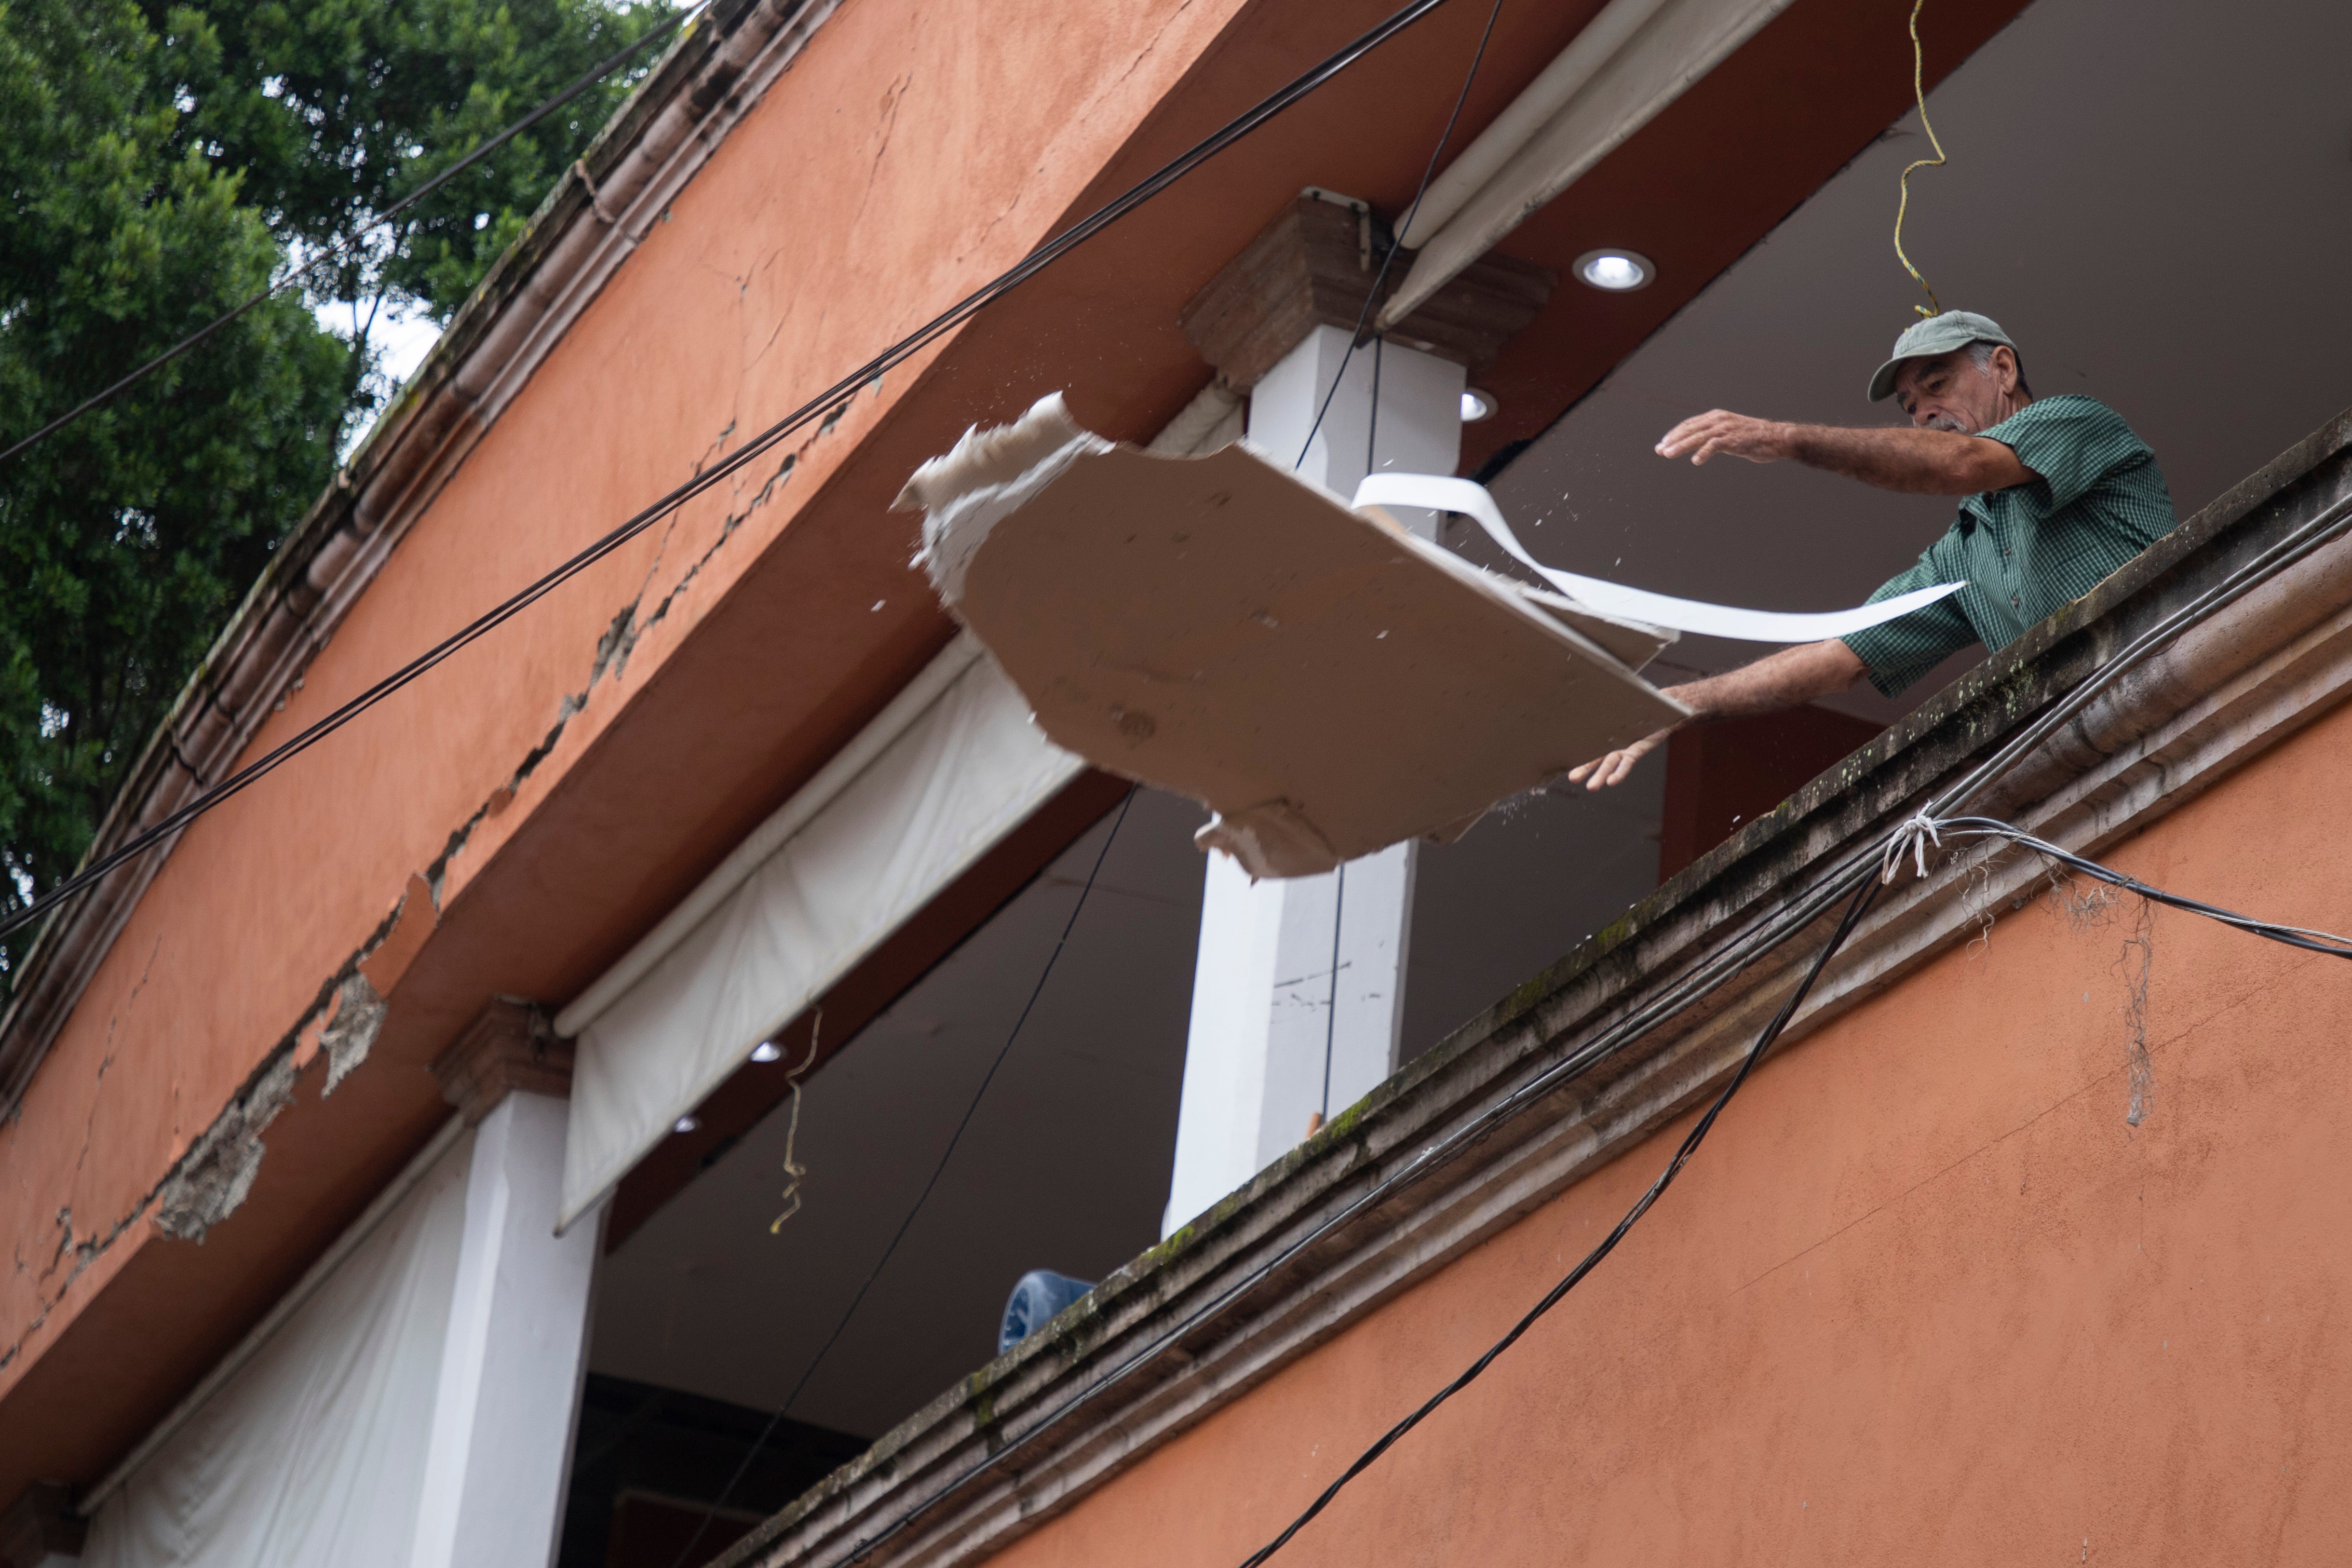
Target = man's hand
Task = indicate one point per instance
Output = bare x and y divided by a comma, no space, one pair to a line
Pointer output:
1611,769
1733,435
1782,679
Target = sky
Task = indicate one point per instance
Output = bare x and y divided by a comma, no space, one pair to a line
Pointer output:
402,340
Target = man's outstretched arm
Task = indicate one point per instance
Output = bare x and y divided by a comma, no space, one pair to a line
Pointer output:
1783,680
1915,462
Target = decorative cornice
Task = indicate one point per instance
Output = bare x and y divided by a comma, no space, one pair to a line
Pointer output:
508,1046
2218,696
701,88
1312,267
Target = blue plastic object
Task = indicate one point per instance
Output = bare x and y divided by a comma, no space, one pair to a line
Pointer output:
1036,1301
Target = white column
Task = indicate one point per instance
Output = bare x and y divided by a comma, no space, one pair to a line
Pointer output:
1298,989
510,1367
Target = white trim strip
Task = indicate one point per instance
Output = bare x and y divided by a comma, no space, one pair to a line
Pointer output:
1617,602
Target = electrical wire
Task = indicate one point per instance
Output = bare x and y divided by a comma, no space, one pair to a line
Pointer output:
1933,830
791,1196
344,247
1841,879
1387,255
1372,450
1332,1003
1914,835
1608,1244
1934,306
938,1170
764,441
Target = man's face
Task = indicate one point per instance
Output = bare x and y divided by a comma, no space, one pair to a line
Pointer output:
1949,391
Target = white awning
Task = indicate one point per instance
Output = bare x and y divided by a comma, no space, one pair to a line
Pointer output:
939,778
310,1443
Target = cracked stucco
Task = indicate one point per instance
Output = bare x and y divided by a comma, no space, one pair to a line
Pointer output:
619,641
218,1169
217,1172
358,1018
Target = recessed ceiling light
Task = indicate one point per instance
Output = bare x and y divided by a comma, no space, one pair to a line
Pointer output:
1616,271
1477,405
685,1124
765,1051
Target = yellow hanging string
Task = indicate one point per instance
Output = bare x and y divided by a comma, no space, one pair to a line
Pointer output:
1934,306
792,1195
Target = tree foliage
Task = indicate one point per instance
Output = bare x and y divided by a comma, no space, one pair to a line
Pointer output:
162,163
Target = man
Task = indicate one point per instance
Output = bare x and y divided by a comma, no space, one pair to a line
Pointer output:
2059,494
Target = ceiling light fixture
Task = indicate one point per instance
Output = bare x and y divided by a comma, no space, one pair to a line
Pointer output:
1477,405
685,1124
765,1051
1616,271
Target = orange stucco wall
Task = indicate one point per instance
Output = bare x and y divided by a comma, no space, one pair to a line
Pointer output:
1924,1297
913,150
916,148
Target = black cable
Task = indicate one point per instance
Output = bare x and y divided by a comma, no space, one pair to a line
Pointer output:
595,74
1331,1007
1339,882
938,1170
1969,827
832,397
1803,913
1389,255
2292,936
1608,1244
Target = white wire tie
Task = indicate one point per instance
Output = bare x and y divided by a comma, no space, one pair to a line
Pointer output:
1918,832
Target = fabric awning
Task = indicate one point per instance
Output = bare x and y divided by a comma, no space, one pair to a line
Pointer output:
939,778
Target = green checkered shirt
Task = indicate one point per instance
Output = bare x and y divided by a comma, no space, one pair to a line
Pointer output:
2099,501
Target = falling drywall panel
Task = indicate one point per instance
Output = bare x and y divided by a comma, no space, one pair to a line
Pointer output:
1325,682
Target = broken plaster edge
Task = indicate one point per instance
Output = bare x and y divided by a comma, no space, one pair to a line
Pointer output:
184,1203
984,479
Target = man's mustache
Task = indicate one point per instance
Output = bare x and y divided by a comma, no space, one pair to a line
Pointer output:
1948,422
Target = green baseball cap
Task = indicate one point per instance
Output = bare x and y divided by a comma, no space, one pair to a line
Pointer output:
1938,335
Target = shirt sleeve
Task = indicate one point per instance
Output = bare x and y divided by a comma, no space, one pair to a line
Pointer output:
1899,652
2069,442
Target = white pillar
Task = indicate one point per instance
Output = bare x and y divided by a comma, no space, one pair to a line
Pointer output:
1298,989
510,1368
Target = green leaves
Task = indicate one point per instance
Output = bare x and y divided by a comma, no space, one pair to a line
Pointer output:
336,109
161,163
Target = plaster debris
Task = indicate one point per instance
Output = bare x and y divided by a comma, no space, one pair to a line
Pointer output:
216,1174
988,476
358,1018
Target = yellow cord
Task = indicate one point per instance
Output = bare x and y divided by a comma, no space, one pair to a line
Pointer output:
1934,306
792,1195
